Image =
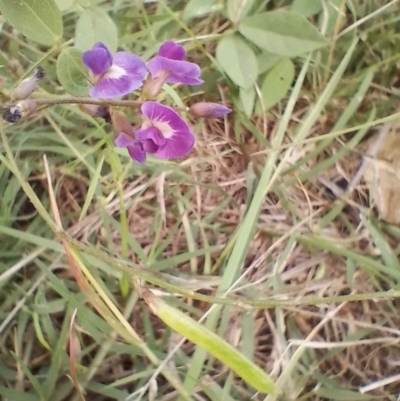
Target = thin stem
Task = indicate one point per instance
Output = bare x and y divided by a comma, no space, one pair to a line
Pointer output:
88,100
99,102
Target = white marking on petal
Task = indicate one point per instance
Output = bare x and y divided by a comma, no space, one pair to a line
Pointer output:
93,77
163,126
115,72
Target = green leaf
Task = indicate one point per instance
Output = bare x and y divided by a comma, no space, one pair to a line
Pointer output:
330,16
39,20
266,61
248,97
84,3
282,32
200,8
238,60
95,25
211,342
72,73
238,9
64,5
307,8
277,82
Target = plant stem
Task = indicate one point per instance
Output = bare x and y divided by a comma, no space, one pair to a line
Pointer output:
99,102
88,100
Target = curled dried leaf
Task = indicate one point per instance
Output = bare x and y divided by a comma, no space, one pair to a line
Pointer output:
382,175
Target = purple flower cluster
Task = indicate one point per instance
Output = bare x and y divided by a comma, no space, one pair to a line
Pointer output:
163,133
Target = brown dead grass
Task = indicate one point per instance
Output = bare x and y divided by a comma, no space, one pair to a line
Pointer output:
320,331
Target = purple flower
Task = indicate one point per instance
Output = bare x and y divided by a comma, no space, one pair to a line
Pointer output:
163,133
113,76
208,110
170,62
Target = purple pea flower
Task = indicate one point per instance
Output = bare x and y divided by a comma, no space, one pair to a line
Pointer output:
169,63
163,133
113,76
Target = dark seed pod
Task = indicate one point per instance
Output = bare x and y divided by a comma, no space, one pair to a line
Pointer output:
39,73
12,114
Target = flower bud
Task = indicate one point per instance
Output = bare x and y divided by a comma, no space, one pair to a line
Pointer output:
15,112
26,87
208,110
104,112
95,110
153,85
121,122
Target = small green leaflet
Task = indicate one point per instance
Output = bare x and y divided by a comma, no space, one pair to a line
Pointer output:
238,60
282,32
95,25
247,97
266,61
38,20
64,5
200,8
277,82
238,9
307,7
71,72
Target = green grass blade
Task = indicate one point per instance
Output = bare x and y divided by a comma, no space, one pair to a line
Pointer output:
214,344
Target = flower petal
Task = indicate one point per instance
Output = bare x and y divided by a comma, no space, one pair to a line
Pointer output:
177,146
137,152
98,59
108,88
181,140
134,66
123,141
138,149
157,112
149,146
172,51
180,72
100,45
125,75
151,133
